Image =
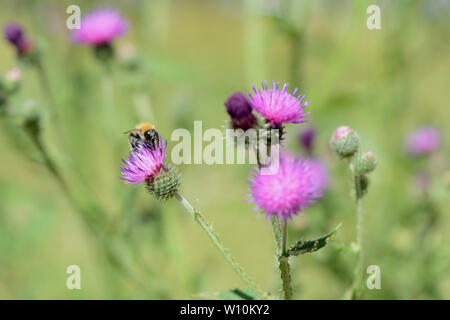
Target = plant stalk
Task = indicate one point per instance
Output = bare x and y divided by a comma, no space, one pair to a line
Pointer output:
358,276
198,217
284,265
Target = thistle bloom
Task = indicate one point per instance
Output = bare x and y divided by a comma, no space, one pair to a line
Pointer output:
16,36
423,141
100,27
289,190
240,111
144,164
278,106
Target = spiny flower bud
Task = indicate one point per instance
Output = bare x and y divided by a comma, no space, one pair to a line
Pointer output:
240,111
344,141
364,163
165,184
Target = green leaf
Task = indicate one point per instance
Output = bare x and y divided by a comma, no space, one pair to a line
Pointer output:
307,246
237,294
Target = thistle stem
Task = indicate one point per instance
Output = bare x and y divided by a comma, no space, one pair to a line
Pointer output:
45,84
198,217
284,265
358,276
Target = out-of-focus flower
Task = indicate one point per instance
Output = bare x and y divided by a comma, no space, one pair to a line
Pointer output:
278,106
100,27
306,138
344,141
423,141
240,111
144,164
289,190
15,34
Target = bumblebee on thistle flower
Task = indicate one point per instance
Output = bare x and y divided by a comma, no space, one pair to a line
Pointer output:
143,133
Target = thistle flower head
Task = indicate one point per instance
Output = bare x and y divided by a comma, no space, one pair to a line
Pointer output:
363,163
344,141
100,27
278,106
240,111
15,34
289,190
144,164
423,141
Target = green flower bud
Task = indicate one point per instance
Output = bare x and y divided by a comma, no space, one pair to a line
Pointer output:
364,163
344,141
165,184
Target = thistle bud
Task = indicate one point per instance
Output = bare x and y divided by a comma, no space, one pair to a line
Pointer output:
165,184
344,141
11,82
240,111
364,163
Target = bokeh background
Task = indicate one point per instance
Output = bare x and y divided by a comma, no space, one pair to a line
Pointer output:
178,63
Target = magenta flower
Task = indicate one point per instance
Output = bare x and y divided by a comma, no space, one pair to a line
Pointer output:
144,164
240,111
100,27
289,190
278,106
423,141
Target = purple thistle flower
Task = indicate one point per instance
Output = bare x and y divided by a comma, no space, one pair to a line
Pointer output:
15,34
240,111
278,106
100,27
144,164
423,141
292,188
306,139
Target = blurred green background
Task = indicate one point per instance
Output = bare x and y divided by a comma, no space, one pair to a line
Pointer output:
178,63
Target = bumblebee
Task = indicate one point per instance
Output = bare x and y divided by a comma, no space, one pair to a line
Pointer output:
143,133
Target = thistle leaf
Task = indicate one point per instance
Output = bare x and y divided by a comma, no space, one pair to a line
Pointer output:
237,294
307,246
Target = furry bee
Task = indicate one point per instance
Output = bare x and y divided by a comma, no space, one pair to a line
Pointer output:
143,133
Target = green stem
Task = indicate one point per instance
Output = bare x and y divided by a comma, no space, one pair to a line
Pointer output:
358,276
45,84
284,265
198,217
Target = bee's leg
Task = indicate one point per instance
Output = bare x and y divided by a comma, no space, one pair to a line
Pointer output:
134,142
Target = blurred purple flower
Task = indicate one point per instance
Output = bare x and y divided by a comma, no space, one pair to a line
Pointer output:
100,27
289,190
240,111
15,34
306,139
423,141
278,106
144,164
